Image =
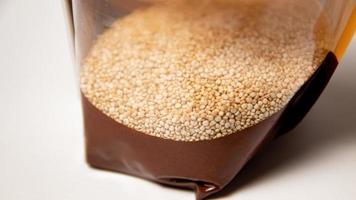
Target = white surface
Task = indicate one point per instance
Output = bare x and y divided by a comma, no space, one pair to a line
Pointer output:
41,140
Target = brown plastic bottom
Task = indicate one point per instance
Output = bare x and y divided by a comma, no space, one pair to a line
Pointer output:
205,166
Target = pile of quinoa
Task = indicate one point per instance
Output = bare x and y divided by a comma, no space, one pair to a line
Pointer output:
200,70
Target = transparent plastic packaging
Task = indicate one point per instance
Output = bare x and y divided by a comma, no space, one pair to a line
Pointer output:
184,93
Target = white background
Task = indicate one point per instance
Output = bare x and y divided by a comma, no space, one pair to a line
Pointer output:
41,139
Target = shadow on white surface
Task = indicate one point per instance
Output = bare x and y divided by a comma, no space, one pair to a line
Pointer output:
330,125
2,5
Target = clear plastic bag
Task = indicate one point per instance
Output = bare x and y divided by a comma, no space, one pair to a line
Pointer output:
184,92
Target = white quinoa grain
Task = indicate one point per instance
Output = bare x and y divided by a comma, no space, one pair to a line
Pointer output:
217,118
205,123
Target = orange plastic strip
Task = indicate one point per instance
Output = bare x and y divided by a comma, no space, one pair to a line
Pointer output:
346,35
